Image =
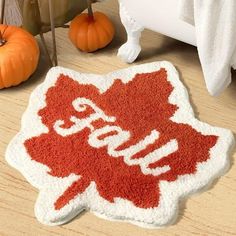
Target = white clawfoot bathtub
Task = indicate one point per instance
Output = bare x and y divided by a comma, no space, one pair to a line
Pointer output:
157,15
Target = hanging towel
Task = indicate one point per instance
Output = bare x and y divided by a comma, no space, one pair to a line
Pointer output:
215,24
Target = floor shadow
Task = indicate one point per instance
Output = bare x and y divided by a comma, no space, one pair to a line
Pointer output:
232,87
167,45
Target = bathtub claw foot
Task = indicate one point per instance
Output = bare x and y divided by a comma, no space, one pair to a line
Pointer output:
129,51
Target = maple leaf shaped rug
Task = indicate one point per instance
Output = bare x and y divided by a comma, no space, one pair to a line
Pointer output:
125,145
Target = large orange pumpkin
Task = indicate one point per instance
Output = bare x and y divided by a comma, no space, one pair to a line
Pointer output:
91,33
19,55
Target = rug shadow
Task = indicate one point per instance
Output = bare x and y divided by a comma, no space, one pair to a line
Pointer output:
82,213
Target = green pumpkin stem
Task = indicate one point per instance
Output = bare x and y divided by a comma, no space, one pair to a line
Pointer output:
90,10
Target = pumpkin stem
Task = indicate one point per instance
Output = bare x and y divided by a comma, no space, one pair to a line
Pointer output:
90,10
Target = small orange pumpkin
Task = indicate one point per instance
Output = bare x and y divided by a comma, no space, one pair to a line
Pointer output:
91,32
19,55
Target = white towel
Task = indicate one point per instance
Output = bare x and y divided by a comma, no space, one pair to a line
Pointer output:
215,23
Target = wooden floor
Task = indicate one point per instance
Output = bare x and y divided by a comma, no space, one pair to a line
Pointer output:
210,213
